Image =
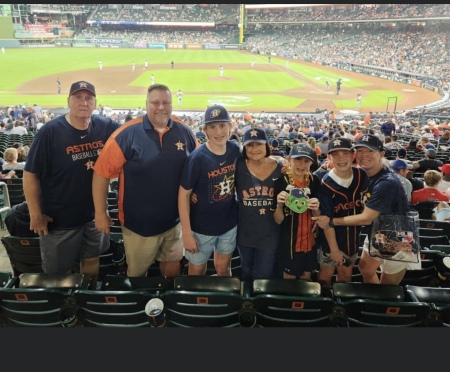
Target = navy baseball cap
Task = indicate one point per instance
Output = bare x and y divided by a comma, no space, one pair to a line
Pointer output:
216,113
401,153
370,141
254,135
400,164
300,150
82,85
340,144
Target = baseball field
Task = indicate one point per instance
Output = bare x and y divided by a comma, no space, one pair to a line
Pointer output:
29,76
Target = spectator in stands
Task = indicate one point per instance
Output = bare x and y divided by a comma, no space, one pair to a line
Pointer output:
401,169
340,195
429,162
430,192
393,144
258,234
385,195
441,212
19,128
10,156
210,224
367,118
444,185
388,127
17,221
296,201
424,144
275,149
61,209
312,142
161,145
323,144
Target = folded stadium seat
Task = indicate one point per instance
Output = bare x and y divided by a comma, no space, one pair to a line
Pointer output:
290,303
426,231
5,276
425,276
434,224
207,301
151,284
376,305
122,309
437,298
15,190
36,299
23,253
5,204
425,209
429,241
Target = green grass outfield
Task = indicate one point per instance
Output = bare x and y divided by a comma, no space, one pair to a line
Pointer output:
245,89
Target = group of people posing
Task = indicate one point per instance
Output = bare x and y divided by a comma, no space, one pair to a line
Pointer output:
179,198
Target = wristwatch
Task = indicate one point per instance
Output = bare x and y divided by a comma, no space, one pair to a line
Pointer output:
330,223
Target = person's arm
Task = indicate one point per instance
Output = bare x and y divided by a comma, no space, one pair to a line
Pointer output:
184,210
362,219
278,215
32,189
100,196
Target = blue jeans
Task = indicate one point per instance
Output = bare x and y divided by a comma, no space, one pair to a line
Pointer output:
257,263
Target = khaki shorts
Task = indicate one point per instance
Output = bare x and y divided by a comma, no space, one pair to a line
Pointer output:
142,251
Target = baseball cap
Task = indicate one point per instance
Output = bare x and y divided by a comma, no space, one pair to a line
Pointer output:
303,150
445,169
431,153
216,113
401,153
400,164
275,143
370,141
254,135
82,85
340,144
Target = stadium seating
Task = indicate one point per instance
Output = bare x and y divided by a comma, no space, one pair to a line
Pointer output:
5,204
24,254
206,301
290,303
437,298
36,299
376,305
433,224
124,309
5,276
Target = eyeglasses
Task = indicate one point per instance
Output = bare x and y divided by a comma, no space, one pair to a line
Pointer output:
158,104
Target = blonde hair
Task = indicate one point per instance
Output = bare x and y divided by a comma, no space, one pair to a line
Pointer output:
10,154
312,142
432,177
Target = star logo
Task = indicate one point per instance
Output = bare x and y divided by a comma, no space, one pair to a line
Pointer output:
253,133
89,165
180,145
337,142
262,211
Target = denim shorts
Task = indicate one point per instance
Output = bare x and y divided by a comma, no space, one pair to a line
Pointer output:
206,245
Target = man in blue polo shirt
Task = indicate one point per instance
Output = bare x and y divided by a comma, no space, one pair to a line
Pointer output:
147,154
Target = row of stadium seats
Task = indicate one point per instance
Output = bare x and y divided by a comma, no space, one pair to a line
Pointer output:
46,300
